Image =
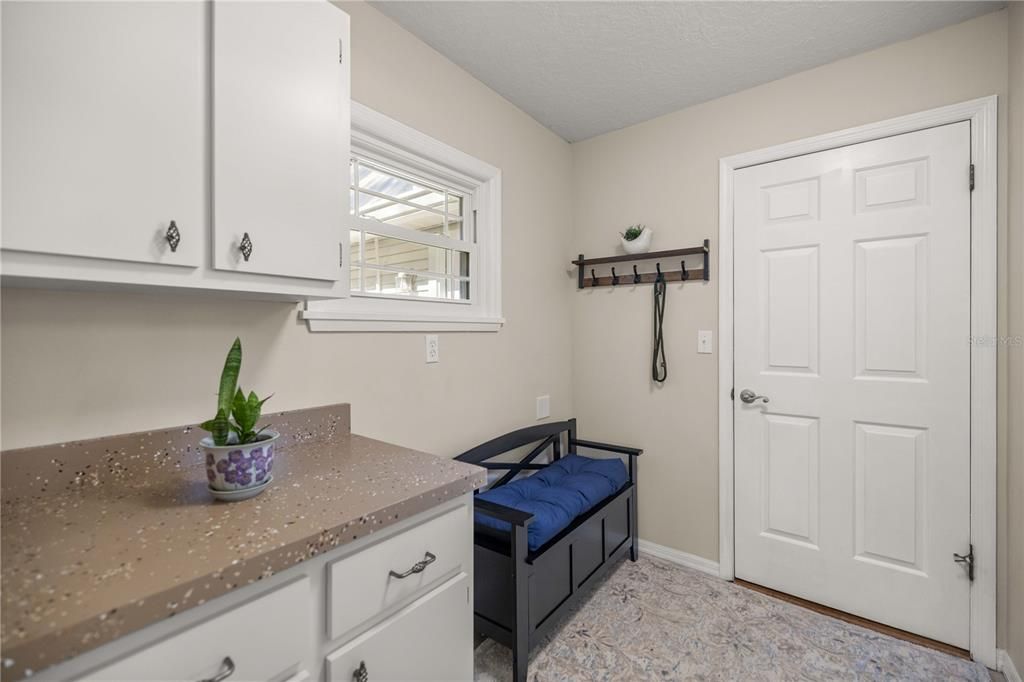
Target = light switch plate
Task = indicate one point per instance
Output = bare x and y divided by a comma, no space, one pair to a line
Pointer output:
543,406
433,348
704,341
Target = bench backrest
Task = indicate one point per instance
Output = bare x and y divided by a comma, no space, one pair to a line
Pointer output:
543,435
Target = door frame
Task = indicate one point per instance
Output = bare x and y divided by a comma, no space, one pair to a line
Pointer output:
984,229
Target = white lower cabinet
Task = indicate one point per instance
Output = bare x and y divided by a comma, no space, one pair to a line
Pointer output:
431,639
282,629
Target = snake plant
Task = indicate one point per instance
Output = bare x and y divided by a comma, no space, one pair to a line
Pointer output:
236,413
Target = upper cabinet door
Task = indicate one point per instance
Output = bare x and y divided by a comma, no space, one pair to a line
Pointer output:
280,137
104,129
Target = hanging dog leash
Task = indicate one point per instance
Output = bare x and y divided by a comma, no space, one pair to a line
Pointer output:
659,368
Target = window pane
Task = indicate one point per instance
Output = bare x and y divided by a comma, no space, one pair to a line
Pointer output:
356,277
455,229
395,186
454,205
399,253
411,219
460,265
355,253
407,255
411,284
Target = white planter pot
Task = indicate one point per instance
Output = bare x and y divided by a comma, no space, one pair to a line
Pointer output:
239,467
641,244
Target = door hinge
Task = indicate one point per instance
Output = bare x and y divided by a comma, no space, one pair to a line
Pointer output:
972,177
967,560
341,51
732,394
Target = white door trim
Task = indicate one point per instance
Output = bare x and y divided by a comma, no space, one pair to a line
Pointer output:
982,115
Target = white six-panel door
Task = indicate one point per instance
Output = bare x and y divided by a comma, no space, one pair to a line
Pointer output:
852,317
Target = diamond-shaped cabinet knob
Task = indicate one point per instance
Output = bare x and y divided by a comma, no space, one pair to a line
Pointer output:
173,236
245,247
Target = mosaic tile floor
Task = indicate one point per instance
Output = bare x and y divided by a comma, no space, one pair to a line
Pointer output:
656,620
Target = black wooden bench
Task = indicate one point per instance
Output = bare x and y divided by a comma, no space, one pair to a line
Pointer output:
521,594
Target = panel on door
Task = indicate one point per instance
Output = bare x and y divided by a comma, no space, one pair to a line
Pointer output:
104,129
852,314
280,137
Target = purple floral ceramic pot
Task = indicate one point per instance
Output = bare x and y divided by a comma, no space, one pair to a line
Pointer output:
239,467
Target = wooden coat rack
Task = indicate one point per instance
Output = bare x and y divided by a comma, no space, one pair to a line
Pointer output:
616,279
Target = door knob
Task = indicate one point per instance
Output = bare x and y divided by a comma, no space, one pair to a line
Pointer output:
748,396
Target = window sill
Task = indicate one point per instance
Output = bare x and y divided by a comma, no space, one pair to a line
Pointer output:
333,321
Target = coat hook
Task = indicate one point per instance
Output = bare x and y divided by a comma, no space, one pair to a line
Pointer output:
685,275
660,276
636,276
593,278
615,278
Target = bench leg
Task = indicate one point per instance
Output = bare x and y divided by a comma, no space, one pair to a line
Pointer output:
634,518
521,626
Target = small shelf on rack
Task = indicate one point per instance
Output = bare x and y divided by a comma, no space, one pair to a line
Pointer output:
586,280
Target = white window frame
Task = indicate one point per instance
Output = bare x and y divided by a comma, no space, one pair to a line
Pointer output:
385,140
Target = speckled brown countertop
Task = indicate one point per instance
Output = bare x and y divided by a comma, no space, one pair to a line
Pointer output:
103,537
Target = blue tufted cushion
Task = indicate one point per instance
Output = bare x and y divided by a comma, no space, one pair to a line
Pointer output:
557,494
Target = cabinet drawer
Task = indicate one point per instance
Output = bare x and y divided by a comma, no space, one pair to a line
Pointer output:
431,639
263,638
362,585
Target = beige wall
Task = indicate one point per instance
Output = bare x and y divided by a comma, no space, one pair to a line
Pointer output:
83,364
665,173
1014,526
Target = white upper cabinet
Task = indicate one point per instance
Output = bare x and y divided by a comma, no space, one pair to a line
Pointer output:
104,129
226,118
280,137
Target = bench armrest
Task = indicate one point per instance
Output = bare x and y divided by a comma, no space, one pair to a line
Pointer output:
607,447
503,513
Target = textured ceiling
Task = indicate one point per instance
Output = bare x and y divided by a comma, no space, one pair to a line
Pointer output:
584,68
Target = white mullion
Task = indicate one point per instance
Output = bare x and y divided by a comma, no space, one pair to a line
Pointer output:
398,200
428,273
400,214
385,230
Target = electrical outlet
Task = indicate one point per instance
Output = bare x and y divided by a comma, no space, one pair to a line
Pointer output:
433,348
703,341
543,406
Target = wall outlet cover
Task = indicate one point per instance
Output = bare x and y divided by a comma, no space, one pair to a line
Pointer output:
543,406
433,348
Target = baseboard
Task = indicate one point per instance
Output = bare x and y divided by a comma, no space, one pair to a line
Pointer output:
698,563
1006,666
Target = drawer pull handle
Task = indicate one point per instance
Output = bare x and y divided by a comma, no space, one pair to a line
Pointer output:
173,236
360,674
418,567
229,668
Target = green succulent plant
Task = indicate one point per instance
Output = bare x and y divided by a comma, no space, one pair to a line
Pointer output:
236,413
632,232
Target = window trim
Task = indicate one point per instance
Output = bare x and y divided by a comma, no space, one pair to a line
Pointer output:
393,143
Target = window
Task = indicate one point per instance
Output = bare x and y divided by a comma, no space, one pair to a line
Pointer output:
424,236
412,237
